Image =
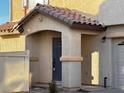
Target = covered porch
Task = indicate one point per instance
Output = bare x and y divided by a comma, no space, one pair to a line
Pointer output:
57,40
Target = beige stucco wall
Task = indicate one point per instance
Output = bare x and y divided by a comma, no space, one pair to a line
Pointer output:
10,43
114,13
70,45
40,46
41,22
14,72
91,50
106,62
104,49
115,31
97,55
87,50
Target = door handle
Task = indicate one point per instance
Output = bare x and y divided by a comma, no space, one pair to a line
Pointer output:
54,64
54,68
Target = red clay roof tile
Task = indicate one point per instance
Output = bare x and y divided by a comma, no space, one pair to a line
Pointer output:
73,18
7,26
69,16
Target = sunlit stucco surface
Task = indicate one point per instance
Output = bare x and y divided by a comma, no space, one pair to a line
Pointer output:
12,43
17,10
87,6
95,67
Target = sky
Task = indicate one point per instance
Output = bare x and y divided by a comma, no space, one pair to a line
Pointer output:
4,11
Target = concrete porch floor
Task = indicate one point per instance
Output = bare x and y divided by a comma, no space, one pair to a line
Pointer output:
84,89
41,90
44,88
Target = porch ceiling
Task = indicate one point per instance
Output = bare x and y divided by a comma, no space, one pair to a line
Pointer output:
73,18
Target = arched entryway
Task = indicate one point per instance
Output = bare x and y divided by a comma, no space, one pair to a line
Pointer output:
45,53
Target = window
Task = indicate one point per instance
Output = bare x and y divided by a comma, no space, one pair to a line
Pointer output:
41,1
32,3
25,3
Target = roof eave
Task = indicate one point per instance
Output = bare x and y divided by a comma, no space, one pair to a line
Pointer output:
25,18
88,27
70,24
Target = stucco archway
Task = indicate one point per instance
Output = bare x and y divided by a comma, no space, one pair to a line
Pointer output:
40,45
71,48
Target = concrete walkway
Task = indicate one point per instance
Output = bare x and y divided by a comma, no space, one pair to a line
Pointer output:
41,90
84,89
101,89
109,90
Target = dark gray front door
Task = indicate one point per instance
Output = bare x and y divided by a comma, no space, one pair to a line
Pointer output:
57,67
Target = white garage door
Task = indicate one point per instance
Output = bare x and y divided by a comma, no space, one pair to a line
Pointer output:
118,64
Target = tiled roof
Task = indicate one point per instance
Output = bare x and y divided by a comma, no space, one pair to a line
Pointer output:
69,16
73,18
7,26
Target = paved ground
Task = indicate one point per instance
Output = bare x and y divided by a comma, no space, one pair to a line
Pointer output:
100,89
84,89
110,90
41,90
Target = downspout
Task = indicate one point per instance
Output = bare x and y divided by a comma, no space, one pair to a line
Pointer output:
25,11
25,6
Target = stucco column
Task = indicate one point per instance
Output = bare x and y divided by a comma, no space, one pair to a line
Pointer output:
71,59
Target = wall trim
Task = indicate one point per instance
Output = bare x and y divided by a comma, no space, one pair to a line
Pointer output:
71,59
115,34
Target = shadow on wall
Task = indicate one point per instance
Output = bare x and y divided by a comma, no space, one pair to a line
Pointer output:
102,13
111,12
10,36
